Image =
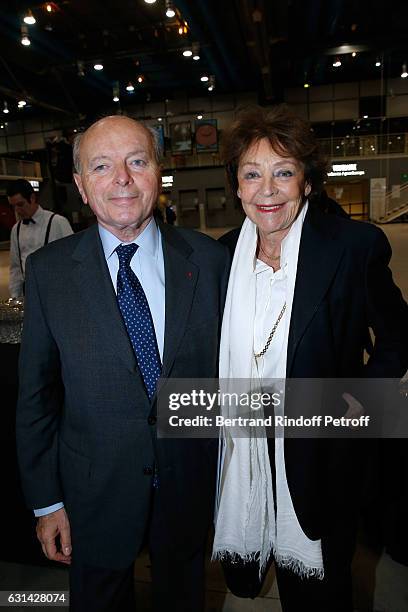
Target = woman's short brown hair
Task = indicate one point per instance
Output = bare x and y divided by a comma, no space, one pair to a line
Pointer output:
288,134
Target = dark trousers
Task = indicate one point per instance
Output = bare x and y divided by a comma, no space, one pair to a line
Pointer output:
177,579
334,592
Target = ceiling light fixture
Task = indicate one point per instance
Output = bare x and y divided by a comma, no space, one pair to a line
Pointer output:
187,53
404,73
115,92
29,18
353,54
306,85
150,1
365,116
195,47
159,119
48,7
378,63
130,87
199,116
211,82
80,67
337,63
170,12
140,78
98,66
21,103
24,36
204,78
5,109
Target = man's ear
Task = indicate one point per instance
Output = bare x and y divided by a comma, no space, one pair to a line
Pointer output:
78,182
308,189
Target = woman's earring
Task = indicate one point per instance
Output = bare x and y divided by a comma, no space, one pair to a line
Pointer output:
239,193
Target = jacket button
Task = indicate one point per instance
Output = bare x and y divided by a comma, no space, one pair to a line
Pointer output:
152,420
147,471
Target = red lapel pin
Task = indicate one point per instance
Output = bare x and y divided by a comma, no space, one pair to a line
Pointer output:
189,275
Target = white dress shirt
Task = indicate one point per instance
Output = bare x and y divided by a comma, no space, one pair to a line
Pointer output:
31,238
148,265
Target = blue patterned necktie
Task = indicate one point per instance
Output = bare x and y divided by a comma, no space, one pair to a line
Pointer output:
136,314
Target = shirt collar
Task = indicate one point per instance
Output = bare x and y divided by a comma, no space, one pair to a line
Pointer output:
147,241
38,214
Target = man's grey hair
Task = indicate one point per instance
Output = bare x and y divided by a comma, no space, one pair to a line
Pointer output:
157,149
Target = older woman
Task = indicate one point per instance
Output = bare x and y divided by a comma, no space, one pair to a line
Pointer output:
305,287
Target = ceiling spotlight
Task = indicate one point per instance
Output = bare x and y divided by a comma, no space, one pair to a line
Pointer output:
306,85
378,63
199,116
115,91
187,53
337,63
211,83
48,7
2,126
29,18
115,98
365,116
21,103
140,79
130,87
204,78
98,66
353,54
170,12
404,73
5,108
159,119
150,1
24,36
195,47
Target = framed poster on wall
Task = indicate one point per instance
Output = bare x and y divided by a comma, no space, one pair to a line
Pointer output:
206,136
181,138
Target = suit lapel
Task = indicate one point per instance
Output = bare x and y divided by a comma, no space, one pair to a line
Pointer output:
91,275
181,278
319,257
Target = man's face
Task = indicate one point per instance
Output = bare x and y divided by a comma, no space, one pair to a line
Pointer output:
119,175
23,208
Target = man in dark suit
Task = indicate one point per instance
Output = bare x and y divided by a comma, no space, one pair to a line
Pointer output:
108,311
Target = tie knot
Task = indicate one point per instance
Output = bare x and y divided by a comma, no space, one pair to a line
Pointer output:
125,252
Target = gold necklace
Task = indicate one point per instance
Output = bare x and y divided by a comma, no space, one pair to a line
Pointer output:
268,256
271,335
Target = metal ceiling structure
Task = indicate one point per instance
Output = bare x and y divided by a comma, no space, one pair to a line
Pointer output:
245,45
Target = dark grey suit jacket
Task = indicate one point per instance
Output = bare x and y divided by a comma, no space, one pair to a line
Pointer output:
86,430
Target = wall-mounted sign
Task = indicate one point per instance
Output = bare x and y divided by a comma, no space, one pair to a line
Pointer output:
206,135
167,181
35,185
181,138
345,170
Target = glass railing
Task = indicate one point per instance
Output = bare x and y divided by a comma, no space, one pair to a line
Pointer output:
19,168
365,145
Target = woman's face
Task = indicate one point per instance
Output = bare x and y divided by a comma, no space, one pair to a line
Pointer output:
271,188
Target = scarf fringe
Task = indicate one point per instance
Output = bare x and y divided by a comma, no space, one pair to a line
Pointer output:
285,561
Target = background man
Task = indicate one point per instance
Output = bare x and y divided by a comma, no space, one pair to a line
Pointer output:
107,312
35,228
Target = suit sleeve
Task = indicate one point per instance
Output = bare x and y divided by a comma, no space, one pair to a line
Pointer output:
387,314
39,402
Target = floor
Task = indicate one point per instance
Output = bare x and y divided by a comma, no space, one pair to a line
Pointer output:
381,584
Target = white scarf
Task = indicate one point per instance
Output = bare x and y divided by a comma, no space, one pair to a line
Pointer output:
245,522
